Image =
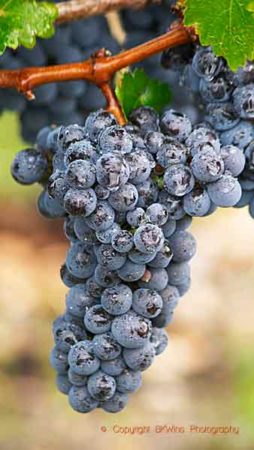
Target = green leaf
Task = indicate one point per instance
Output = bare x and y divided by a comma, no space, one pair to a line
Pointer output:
22,20
226,25
136,89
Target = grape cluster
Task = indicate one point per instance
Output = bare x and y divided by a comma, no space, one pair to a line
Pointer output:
228,102
127,195
146,24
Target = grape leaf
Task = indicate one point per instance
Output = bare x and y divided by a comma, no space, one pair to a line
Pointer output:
22,20
136,89
225,25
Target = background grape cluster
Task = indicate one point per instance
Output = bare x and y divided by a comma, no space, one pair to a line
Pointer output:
58,103
127,195
147,24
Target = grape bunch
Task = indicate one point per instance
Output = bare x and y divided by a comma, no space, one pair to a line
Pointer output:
127,195
146,24
228,102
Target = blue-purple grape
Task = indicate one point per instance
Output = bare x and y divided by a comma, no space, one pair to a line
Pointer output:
114,366
97,320
117,300
81,260
98,121
226,191
80,399
59,361
76,379
203,138
159,340
206,64
243,100
112,171
129,381
157,281
131,330
78,300
207,166
101,386
82,359
148,238
122,241
146,302
139,358
116,403
125,198
171,152
106,236
63,384
175,124
80,202
29,166
115,138
109,258
157,214
183,246
105,346
179,180
234,159
197,202
80,174
69,135
131,271
102,217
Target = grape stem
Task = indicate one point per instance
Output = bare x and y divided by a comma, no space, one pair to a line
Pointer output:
78,9
113,105
98,69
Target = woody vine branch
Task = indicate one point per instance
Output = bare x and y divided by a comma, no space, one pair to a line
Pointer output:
98,69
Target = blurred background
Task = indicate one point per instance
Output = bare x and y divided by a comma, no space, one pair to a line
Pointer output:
205,377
